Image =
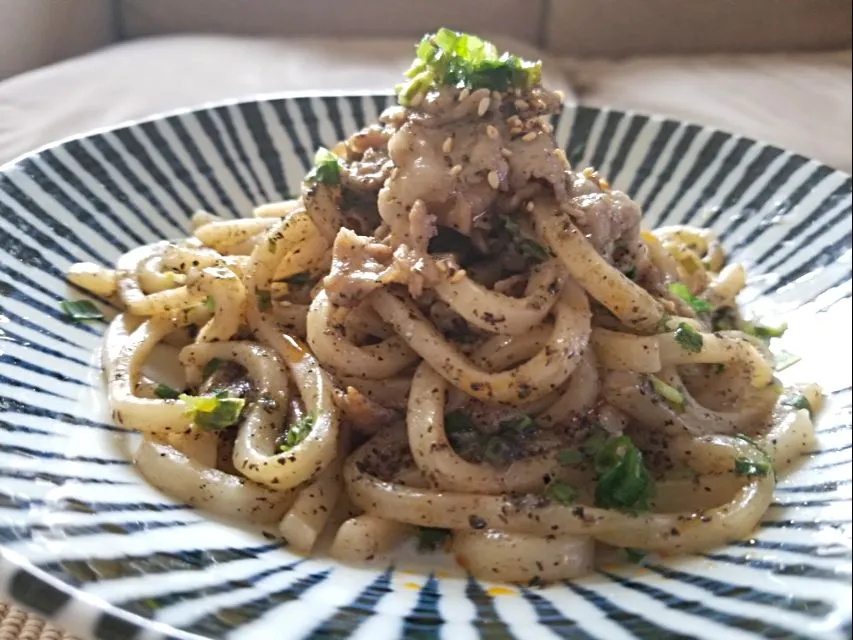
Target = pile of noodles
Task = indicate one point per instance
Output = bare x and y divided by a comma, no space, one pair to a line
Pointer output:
571,346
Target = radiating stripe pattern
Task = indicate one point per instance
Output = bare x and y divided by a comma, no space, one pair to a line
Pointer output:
75,518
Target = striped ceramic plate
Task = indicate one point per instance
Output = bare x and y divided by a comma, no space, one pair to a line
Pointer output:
87,543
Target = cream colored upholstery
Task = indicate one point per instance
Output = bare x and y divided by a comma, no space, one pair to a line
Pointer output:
797,100
38,32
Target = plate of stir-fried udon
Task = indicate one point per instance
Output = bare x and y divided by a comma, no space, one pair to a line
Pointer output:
460,361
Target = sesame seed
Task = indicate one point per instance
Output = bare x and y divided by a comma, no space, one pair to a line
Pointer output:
559,95
457,276
530,136
447,147
529,206
603,184
464,94
547,128
515,131
492,131
506,153
483,106
587,173
514,121
456,169
521,105
494,181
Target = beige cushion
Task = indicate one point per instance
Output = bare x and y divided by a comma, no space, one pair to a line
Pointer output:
153,75
354,18
39,32
800,102
610,28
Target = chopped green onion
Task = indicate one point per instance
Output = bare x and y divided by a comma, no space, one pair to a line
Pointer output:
785,359
213,412
527,247
680,290
623,482
797,401
462,60
635,556
752,468
298,431
521,422
630,272
327,168
673,396
81,310
764,332
264,299
560,492
688,338
165,392
567,458
210,304
533,250
432,538
759,464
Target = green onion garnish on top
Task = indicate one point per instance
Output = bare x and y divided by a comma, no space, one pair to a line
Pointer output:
81,310
462,60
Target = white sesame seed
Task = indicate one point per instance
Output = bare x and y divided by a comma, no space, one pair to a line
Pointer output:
521,105
506,153
464,94
447,147
530,136
457,276
529,206
547,128
483,106
561,156
492,131
456,169
494,181
560,95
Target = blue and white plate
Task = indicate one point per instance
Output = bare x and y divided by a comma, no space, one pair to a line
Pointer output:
87,543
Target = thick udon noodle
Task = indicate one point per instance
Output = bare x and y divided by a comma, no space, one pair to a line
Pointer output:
572,345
